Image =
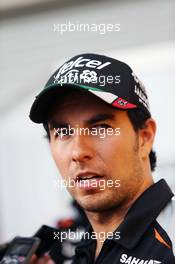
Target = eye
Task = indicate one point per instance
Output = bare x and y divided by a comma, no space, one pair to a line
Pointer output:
62,132
103,125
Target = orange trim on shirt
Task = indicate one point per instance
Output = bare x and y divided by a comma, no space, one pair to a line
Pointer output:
160,239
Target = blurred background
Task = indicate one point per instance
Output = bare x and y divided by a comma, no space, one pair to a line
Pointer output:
31,49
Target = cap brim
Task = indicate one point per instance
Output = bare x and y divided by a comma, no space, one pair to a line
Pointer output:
48,96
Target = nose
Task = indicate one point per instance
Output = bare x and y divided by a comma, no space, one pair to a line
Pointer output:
82,149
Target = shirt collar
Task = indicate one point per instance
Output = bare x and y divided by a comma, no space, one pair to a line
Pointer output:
139,217
142,213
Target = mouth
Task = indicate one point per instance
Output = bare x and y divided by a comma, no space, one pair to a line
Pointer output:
86,176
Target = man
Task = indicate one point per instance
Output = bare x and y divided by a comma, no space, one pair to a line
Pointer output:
96,114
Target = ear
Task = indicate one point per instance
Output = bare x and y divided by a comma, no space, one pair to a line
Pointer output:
146,138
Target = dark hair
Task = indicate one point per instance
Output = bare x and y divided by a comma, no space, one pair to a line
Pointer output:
138,119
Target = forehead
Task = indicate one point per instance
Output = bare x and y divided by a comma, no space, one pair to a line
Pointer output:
78,102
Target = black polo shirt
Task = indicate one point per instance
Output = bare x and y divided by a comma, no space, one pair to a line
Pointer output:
143,240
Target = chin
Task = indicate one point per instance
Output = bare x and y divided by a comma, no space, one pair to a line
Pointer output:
96,204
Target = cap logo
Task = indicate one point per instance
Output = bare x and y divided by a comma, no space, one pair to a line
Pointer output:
137,80
140,90
70,76
79,63
88,76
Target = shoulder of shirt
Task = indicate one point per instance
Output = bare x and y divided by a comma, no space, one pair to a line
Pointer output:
166,220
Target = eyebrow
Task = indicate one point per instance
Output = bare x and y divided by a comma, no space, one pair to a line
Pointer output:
100,117
92,120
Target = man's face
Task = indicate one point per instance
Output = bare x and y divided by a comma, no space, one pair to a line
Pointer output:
103,159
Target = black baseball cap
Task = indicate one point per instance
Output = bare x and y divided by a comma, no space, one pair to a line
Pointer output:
107,78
